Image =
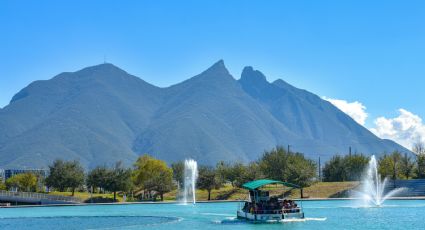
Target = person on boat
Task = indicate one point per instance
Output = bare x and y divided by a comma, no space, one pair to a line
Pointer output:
296,209
285,206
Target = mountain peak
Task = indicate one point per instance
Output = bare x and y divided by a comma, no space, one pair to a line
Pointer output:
218,68
253,76
104,67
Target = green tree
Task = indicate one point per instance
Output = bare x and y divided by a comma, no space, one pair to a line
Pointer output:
390,165
251,172
407,166
419,150
118,179
65,174
26,182
354,166
151,174
208,179
98,177
178,172
334,169
232,173
278,164
2,186
301,171
347,168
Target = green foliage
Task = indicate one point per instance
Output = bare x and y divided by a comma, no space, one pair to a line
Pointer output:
233,173
251,172
26,182
347,168
2,186
208,179
118,179
151,174
278,164
334,169
178,172
389,165
98,177
419,149
407,167
420,166
65,174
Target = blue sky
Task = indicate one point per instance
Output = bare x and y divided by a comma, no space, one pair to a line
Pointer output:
372,52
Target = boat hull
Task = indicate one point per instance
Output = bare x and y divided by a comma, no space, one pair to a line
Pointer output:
269,217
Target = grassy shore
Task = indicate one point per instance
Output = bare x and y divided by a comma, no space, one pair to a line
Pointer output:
317,190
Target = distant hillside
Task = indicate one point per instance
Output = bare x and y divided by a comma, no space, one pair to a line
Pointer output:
102,114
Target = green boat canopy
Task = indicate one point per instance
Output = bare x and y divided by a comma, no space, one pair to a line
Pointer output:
252,185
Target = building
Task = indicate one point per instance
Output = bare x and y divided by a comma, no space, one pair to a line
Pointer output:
41,173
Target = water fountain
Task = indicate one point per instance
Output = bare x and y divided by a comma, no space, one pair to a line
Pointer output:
373,188
190,177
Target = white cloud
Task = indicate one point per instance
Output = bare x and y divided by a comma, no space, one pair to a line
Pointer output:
406,129
355,110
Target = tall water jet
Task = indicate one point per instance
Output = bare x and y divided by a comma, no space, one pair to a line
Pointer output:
373,188
190,177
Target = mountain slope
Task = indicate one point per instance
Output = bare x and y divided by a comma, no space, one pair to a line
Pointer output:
209,117
92,115
317,119
102,114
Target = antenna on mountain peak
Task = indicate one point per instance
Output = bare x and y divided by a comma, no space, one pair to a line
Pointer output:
104,59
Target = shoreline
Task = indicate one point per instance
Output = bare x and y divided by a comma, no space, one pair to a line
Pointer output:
202,202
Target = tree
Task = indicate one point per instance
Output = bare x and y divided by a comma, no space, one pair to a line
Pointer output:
347,168
151,174
98,177
301,171
390,165
278,164
208,179
251,172
118,179
334,169
407,166
420,166
23,182
355,165
232,173
419,149
2,186
65,174
178,172
163,181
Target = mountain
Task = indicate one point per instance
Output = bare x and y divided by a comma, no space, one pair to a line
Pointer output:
102,114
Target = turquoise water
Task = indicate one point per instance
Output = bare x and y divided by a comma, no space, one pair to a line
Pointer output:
395,214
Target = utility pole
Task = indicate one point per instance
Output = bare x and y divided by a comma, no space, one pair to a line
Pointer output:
349,151
288,148
320,171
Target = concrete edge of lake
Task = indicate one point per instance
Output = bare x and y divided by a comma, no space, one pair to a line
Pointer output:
211,201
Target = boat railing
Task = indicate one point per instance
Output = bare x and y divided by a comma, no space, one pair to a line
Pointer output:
277,211
292,210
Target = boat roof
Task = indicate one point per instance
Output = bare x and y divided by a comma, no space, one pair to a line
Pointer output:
252,185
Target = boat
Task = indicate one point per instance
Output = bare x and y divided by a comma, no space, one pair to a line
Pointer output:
261,207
